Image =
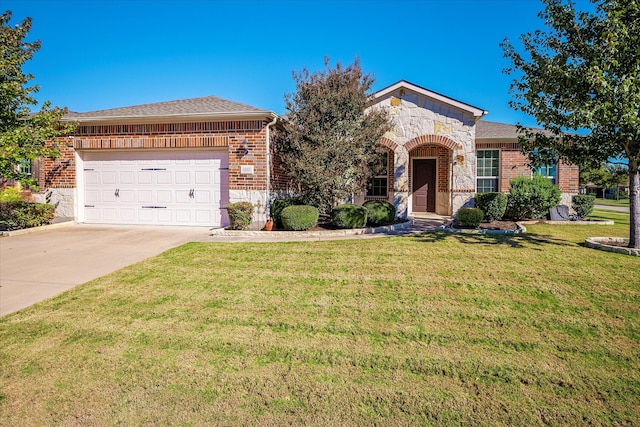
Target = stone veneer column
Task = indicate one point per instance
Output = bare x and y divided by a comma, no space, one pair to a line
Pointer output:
401,182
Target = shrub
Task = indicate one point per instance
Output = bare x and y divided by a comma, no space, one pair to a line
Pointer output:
470,217
10,194
299,217
278,205
18,215
380,212
349,216
531,197
583,204
240,215
492,205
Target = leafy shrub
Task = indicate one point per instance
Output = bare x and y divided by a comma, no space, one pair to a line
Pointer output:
470,217
240,215
492,205
380,212
531,197
20,214
349,216
299,217
583,204
278,205
10,194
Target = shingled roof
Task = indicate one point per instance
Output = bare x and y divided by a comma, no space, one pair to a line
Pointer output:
495,130
207,106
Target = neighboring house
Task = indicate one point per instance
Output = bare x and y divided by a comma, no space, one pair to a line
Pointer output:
182,162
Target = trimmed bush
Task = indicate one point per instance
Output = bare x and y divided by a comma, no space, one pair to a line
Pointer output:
583,204
240,215
299,217
349,216
531,197
278,205
10,194
492,205
379,212
19,215
470,217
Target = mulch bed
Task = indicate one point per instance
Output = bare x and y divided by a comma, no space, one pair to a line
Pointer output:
494,225
499,225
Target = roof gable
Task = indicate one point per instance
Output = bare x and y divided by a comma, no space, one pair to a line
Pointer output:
403,84
193,108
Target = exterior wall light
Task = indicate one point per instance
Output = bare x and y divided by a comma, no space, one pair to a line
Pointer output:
245,146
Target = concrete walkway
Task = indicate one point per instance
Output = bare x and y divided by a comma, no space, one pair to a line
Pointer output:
612,208
43,263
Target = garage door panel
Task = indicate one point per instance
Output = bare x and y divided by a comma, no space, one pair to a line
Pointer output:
177,187
182,177
109,214
108,177
127,196
164,177
145,177
165,196
127,178
108,196
145,196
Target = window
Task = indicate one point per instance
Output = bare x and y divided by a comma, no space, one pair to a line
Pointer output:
487,171
378,184
548,171
25,167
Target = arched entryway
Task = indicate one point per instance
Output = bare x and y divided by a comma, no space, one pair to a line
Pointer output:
430,161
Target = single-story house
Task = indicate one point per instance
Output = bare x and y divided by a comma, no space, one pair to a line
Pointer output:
181,162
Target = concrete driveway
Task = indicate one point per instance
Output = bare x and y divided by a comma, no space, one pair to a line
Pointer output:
42,264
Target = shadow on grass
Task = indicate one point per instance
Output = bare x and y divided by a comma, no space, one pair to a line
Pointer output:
536,241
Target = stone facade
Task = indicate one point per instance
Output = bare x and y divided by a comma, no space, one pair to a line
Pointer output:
425,126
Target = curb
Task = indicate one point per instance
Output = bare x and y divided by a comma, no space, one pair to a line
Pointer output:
329,233
594,222
37,229
600,243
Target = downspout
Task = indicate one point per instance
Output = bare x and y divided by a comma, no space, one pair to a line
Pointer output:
268,157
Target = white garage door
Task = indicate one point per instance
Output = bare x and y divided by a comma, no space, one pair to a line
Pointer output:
156,187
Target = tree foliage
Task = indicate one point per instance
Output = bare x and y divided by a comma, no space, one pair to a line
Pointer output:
23,134
580,80
328,142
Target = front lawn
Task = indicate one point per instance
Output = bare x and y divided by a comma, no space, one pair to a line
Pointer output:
435,329
613,202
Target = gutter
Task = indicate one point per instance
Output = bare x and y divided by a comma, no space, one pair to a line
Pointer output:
177,117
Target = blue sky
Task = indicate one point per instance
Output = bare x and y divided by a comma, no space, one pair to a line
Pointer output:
99,54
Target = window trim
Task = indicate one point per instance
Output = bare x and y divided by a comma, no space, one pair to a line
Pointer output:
488,177
384,176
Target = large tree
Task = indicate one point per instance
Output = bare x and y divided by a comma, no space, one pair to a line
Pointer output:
580,79
23,134
328,145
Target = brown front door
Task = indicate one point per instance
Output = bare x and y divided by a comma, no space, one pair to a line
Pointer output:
424,185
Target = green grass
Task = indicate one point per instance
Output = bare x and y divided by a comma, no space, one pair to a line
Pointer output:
437,329
612,202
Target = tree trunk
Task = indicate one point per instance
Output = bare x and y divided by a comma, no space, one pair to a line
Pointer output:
634,205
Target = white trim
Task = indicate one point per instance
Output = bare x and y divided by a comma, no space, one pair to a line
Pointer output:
499,150
402,84
79,199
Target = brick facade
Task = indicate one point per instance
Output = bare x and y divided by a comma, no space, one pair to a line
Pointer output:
60,172
514,164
